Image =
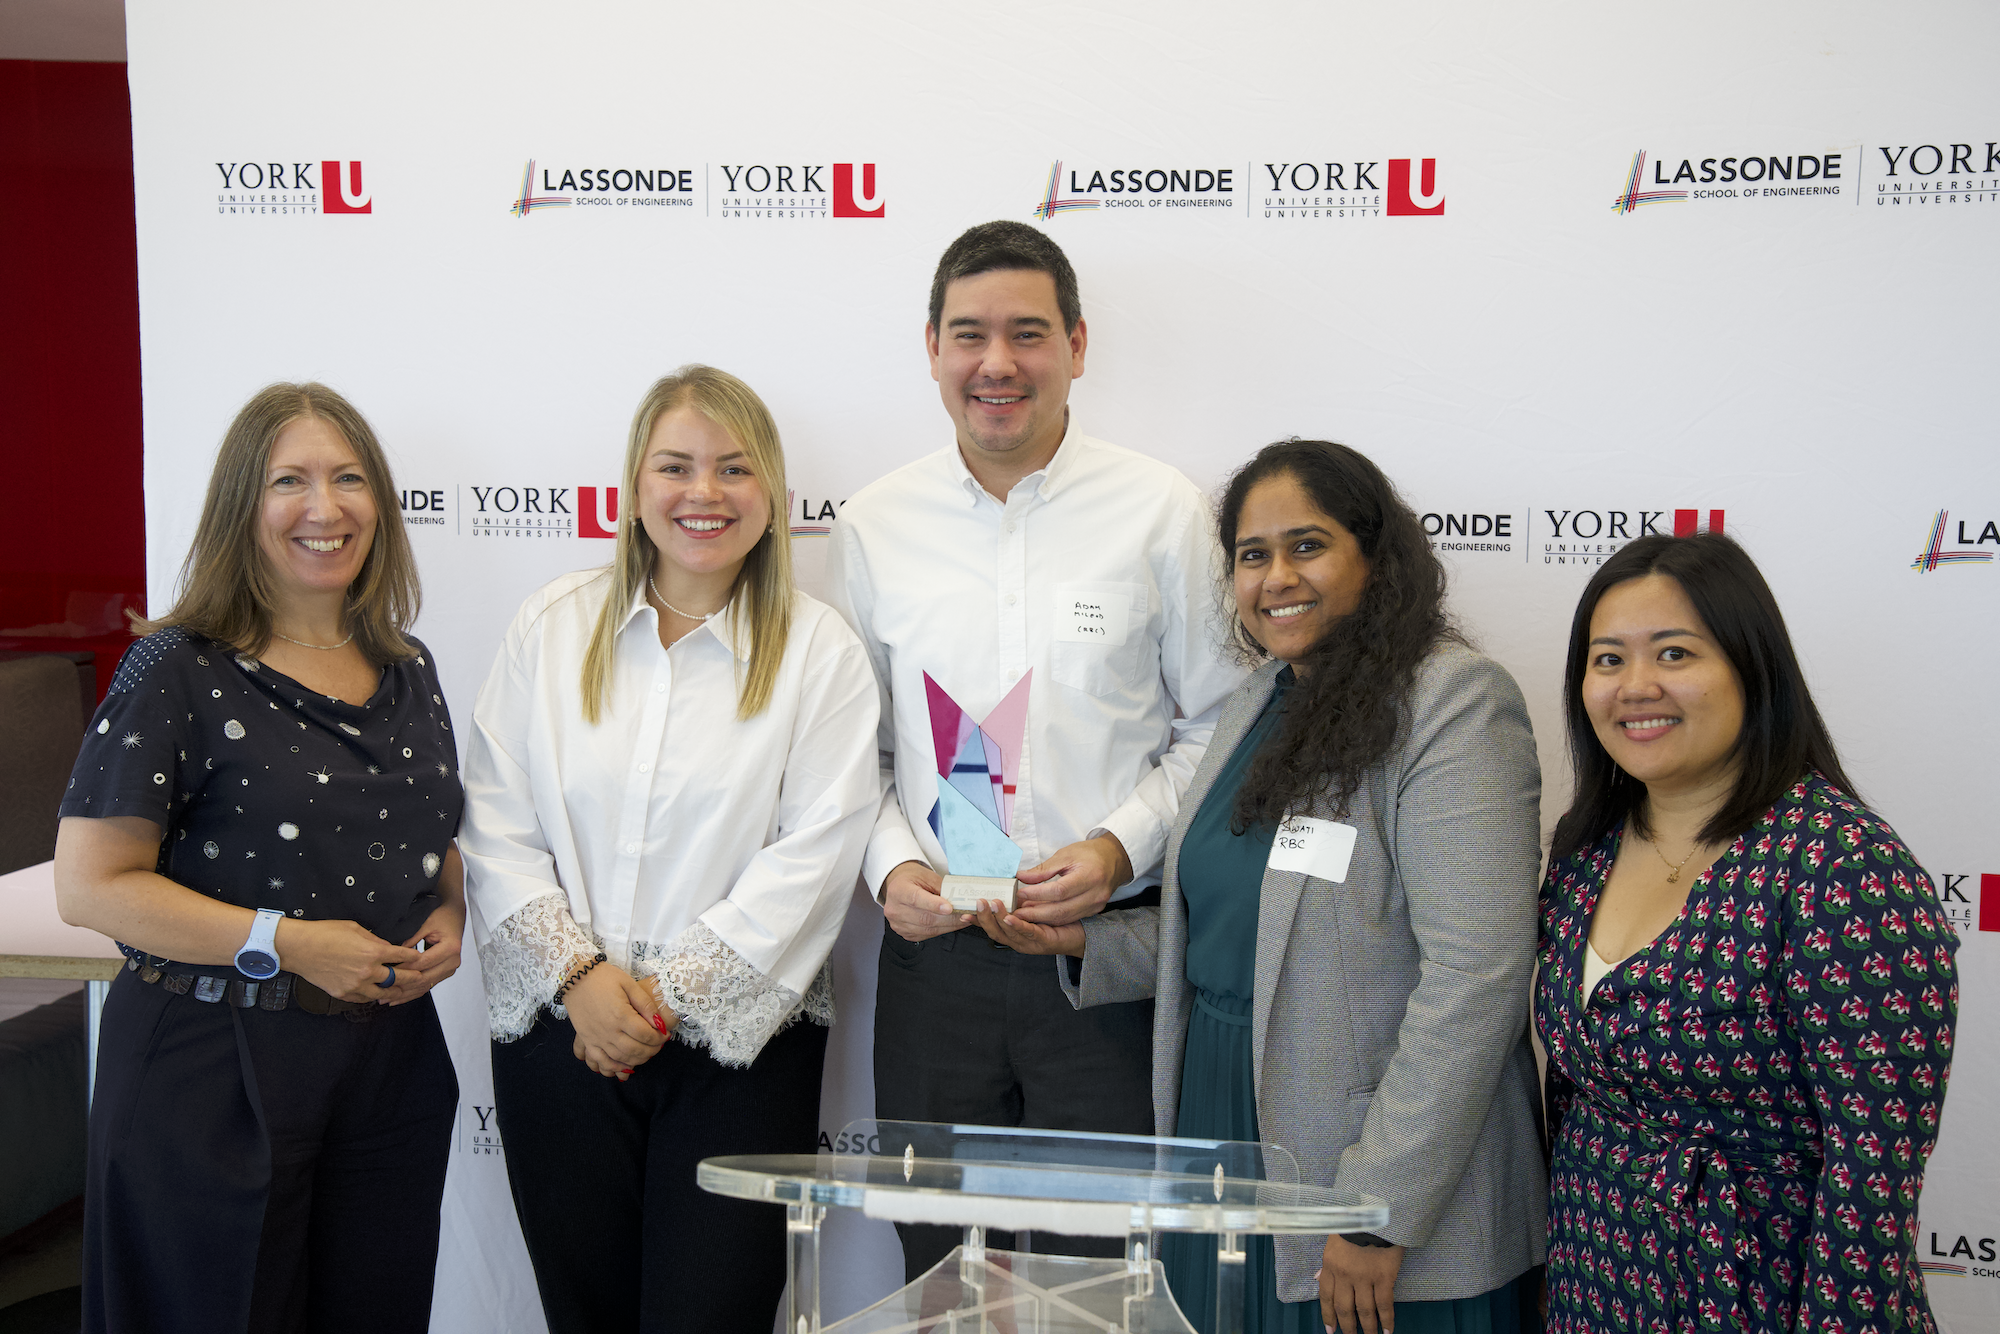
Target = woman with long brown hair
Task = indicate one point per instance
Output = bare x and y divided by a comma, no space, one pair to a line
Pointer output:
262,816
670,782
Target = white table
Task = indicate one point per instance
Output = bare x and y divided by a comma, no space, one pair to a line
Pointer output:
36,942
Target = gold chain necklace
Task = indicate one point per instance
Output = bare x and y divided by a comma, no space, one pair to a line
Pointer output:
1673,870
323,648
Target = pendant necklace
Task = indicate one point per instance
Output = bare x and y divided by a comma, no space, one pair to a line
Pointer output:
1673,870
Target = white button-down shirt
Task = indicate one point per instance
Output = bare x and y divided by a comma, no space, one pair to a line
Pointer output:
670,825
938,577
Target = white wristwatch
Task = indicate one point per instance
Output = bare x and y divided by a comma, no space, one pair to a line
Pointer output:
258,959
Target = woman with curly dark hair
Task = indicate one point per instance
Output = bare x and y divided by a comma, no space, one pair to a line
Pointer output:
1345,933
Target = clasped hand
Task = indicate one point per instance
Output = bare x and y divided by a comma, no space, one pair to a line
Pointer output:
614,1016
1054,895
346,960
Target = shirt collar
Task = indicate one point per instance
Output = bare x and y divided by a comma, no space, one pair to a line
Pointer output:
1046,482
723,626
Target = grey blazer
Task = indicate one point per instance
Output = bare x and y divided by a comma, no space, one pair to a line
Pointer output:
1390,1028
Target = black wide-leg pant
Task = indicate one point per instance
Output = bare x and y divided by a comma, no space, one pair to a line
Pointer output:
268,1171
603,1179
974,1033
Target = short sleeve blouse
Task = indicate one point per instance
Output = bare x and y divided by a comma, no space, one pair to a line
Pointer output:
273,796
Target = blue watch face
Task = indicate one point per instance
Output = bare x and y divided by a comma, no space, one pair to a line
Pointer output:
257,964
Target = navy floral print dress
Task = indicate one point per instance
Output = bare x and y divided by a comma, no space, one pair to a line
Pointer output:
1743,1108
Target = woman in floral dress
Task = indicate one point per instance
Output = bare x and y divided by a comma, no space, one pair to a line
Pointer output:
1746,984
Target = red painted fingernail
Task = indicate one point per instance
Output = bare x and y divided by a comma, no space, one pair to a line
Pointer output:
626,1071
660,1024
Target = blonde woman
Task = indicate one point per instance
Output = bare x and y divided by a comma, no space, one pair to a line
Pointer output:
262,816
670,781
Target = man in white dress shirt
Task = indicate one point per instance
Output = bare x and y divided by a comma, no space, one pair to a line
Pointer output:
968,566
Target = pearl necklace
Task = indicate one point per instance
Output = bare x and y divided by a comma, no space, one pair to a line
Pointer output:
676,610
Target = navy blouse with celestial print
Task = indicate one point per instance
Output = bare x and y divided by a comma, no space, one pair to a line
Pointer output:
273,796
1743,1108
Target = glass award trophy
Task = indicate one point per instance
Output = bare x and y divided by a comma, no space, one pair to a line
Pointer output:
978,765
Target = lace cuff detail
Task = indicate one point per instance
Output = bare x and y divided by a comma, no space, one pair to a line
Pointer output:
526,959
725,1004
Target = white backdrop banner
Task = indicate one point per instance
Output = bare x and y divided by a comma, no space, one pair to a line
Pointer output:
1572,273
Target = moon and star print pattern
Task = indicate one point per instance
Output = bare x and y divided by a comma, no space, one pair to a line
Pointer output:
273,796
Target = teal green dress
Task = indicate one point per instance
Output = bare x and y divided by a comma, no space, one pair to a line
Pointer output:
1221,879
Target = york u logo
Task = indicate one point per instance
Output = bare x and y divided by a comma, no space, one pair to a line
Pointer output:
1960,906
343,191
1426,200
850,203
596,517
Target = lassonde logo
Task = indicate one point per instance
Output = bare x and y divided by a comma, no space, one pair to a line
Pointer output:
298,189
653,187
810,518
1944,548
1711,179
1163,188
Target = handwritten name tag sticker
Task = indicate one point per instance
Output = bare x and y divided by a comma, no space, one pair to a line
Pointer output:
1088,615
1320,848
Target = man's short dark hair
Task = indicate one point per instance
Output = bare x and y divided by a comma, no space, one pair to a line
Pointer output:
1007,245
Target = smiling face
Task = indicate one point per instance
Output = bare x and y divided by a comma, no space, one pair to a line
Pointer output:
318,519
1297,569
1003,364
1663,700
699,497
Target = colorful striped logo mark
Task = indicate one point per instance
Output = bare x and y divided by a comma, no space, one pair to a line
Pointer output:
1635,196
1934,554
1052,200
1939,1267
529,201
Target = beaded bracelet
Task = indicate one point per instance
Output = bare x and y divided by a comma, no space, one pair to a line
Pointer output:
575,978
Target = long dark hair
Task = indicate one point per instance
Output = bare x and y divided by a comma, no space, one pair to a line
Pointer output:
1783,737
1346,710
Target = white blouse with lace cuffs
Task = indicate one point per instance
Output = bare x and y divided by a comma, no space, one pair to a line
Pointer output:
714,855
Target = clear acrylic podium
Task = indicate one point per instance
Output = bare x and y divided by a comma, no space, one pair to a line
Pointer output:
980,1177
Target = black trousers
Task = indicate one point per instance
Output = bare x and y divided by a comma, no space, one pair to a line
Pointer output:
603,1179
972,1032
263,1171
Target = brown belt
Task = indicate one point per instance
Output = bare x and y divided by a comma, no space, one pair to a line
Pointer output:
283,991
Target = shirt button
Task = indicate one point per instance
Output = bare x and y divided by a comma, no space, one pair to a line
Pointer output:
645,768
1010,527
1010,599
659,687
632,848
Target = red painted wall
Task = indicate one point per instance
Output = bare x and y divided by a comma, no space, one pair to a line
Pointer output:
74,531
